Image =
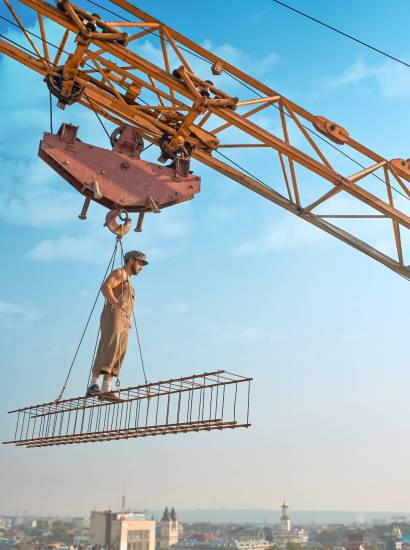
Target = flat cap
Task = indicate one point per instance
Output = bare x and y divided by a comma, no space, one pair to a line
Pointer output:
136,255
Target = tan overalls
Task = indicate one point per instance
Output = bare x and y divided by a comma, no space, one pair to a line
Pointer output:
114,326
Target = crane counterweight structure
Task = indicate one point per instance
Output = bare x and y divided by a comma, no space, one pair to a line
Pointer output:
177,108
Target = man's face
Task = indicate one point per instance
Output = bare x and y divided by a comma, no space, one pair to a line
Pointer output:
136,266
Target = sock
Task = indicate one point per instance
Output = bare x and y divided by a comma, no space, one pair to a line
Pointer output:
106,386
94,379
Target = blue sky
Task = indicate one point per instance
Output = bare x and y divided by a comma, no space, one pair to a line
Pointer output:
233,282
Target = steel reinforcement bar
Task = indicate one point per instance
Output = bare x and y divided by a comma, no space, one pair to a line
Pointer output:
201,402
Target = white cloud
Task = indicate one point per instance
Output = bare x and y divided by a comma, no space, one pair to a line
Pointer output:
158,254
284,234
226,333
15,316
161,239
144,312
217,216
233,55
353,74
31,194
393,81
67,249
178,307
241,59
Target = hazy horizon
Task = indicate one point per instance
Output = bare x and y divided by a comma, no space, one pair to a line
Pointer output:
249,515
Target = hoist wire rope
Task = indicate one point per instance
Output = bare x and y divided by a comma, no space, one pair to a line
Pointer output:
110,263
316,134
123,260
98,116
93,356
51,112
16,43
135,325
253,90
250,88
87,64
111,267
246,172
67,53
118,240
103,125
32,34
342,33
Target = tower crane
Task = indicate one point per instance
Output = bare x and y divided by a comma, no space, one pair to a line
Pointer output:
179,108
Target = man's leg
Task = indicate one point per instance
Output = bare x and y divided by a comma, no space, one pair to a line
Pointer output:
106,385
122,350
106,352
95,379
106,392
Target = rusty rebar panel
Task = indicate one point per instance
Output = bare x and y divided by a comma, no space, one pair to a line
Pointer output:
201,402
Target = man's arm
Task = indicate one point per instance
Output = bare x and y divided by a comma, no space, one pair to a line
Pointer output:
113,281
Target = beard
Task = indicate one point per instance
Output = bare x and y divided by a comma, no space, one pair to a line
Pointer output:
135,270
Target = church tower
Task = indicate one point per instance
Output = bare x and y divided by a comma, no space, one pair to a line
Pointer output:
168,530
284,520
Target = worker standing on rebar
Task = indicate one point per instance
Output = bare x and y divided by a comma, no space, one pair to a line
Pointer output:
115,323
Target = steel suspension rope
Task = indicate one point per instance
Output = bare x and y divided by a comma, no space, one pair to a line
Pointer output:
245,171
109,269
136,328
229,74
98,116
51,112
112,259
250,88
342,33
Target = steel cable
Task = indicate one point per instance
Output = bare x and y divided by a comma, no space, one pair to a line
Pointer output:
342,33
87,323
250,88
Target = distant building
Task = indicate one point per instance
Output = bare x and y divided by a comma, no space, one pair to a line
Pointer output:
394,541
168,530
285,534
222,544
122,531
80,541
5,523
25,546
81,522
397,519
355,541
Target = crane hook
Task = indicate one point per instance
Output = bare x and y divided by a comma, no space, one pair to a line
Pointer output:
114,226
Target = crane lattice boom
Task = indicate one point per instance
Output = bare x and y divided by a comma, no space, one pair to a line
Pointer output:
180,110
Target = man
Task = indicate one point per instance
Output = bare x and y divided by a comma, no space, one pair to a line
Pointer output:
114,324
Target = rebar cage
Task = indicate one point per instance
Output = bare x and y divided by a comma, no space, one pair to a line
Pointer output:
200,402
